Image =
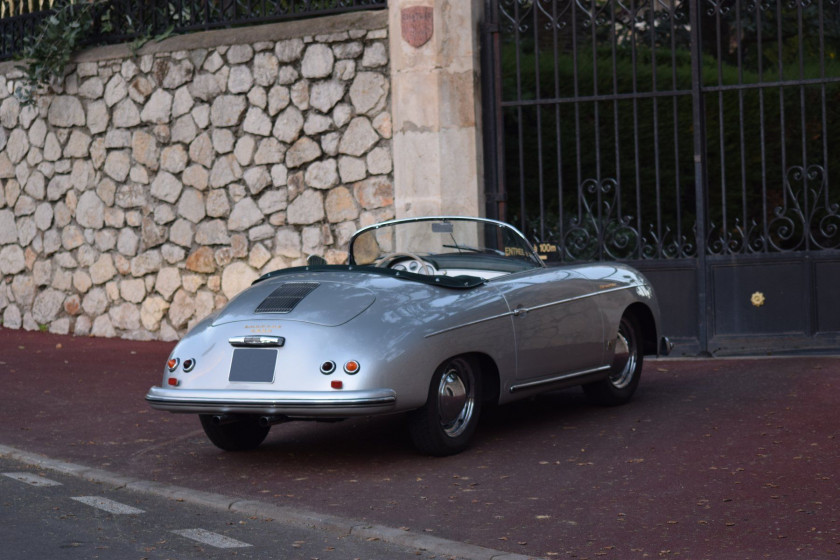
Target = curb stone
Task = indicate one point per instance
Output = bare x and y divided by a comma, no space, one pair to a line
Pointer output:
278,514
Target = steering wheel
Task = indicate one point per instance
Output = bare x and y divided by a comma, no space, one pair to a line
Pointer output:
423,267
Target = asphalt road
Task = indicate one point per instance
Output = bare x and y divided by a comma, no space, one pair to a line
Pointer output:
712,459
44,514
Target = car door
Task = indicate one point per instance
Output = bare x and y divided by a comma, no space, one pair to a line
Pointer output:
558,327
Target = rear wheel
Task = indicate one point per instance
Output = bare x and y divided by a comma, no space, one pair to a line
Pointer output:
239,435
448,420
618,387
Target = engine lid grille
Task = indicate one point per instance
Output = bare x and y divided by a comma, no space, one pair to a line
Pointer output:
285,298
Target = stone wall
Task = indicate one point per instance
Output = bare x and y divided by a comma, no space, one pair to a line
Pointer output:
151,187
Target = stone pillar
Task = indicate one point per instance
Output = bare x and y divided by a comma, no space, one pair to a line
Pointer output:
436,104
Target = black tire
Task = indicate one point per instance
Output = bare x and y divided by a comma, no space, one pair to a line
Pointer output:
240,435
618,387
449,418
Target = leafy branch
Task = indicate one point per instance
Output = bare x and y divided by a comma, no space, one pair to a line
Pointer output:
72,26
46,53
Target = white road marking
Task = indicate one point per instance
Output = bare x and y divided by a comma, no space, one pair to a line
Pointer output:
211,539
108,505
31,479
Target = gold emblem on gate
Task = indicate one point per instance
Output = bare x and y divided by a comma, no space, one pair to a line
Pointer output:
757,299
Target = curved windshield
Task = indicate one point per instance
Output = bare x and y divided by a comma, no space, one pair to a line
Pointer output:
444,246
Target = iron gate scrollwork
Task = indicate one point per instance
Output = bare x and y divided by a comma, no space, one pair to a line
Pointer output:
672,134
805,219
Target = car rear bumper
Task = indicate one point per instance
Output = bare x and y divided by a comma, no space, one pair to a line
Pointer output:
301,404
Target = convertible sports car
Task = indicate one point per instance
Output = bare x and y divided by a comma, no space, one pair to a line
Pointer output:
433,316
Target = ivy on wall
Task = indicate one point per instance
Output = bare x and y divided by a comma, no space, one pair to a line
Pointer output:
72,26
47,52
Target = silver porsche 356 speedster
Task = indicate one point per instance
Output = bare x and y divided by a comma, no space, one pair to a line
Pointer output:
432,316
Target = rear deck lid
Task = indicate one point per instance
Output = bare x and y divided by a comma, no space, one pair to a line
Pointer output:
326,303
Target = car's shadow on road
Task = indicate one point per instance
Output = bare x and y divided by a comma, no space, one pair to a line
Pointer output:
386,438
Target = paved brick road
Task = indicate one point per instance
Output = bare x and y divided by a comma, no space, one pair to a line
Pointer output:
713,458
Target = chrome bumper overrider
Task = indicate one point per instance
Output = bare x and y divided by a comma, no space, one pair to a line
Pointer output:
312,404
665,346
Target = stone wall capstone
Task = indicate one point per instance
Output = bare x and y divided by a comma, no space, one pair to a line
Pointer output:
148,190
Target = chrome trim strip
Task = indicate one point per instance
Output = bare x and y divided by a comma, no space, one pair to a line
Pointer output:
259,341
577,298
471,323
519,311
537,383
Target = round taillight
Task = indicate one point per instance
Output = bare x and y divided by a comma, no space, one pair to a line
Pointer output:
189,364
328,367
352,367
172,364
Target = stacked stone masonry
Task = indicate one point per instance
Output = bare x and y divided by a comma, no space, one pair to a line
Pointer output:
145,192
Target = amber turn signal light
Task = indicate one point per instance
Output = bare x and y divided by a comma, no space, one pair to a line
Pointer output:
352,367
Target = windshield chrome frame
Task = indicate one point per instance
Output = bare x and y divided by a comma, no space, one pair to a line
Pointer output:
533,256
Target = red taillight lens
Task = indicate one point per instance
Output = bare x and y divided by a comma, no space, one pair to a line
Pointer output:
336,384
172,381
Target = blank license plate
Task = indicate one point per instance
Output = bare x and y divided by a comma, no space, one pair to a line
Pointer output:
252,365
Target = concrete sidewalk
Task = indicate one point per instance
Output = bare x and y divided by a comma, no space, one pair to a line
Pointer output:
712,459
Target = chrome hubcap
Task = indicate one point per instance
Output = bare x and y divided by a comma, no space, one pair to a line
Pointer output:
624,361
455,403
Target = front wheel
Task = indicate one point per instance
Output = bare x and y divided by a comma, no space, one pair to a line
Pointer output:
239,435
449,418
626,369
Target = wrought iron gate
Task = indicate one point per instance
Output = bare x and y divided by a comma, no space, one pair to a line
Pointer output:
697,140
